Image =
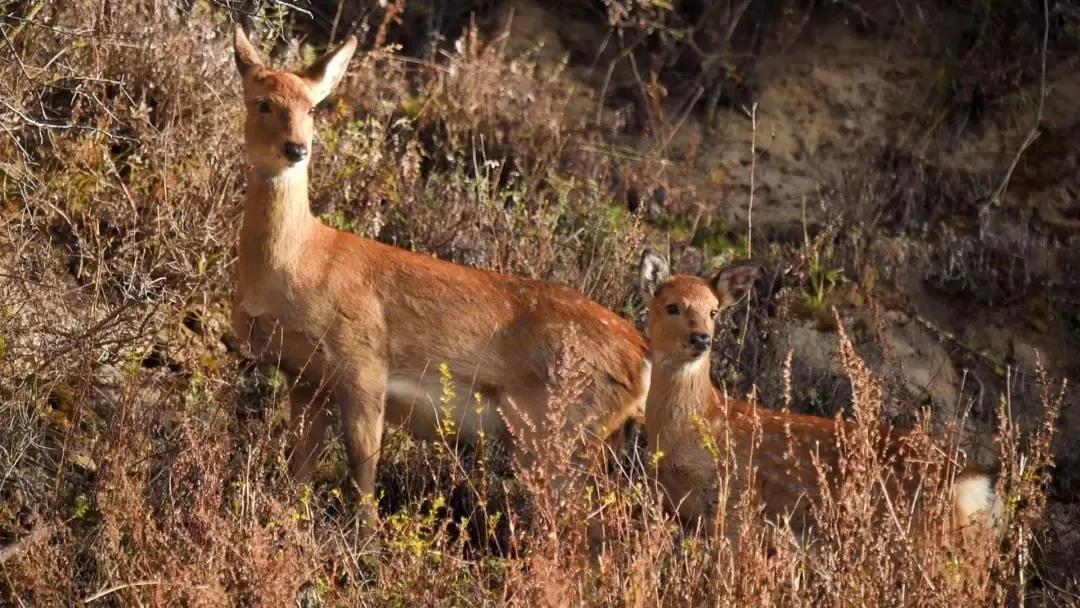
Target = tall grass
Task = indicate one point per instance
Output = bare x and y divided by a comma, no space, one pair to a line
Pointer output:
142,456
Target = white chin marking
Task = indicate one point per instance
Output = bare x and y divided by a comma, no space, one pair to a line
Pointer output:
677,362
282,172
292,171
693,366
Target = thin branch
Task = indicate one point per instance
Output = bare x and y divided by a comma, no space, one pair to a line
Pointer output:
1033,134
63,126
39,533
121,587
752,112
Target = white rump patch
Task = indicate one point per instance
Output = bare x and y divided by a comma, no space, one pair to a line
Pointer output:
974,495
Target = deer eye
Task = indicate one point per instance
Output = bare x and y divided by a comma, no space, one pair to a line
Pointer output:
311,112
262,106
712,314
672,309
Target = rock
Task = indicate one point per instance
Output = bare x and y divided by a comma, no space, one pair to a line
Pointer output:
814,348
1026,356
532,30
819,385
925,366
82,459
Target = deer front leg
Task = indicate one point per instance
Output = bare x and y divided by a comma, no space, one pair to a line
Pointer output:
361,399
242,325
309,419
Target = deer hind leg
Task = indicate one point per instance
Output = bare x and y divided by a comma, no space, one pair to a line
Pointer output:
526,416
554,440
566,437
360,394
540,445
309,420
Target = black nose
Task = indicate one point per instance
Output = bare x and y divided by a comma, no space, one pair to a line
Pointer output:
295,152
699,342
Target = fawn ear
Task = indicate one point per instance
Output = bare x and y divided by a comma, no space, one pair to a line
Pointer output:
654,273
325,74
732,282
246,57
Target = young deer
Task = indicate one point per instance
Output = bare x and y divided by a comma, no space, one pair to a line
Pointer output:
367,326
683,404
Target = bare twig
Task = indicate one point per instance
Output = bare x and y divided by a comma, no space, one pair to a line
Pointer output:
982,354
752,112
682,116
62,126
337,19
1033,134
121,587
623,54
733,21
39,533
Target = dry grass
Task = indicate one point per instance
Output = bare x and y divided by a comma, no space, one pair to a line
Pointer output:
142,458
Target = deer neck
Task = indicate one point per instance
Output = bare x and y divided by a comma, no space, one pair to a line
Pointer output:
678,393
277,220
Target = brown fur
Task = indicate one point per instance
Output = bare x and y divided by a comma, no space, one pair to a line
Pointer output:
685,412
366,325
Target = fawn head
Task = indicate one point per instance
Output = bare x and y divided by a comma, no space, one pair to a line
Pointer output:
280,104
682,308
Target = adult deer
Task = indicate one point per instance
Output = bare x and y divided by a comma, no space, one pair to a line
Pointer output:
366,326
687,419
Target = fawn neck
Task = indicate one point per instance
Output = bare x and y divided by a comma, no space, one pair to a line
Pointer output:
678,391
277,220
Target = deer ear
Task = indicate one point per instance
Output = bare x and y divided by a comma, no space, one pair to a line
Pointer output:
732,282
325,74
246,57
654,273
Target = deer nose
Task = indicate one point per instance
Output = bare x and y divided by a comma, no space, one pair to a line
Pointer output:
295,152
699,342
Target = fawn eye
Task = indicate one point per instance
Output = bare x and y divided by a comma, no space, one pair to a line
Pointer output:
262,106
712,314
672,309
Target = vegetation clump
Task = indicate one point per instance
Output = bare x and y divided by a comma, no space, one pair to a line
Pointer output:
143,455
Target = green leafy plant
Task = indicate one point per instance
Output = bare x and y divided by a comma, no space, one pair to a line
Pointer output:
822,275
